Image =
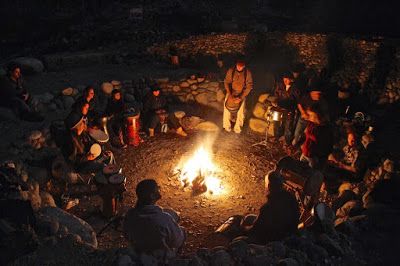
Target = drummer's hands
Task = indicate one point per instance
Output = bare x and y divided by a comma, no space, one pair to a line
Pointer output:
90,157
237,99
274,104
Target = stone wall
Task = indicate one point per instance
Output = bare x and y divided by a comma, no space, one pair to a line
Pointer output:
348,59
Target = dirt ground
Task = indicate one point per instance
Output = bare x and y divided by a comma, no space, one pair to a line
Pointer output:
242,170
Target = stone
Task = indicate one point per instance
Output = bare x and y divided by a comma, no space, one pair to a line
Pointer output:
68,101
67,91
263,97
193,87
189,97
197,261
258,260
190,122
47,227
220,96
330,245
258,125
288,262
107,88
191,81
45,98
207,126
29,65
176,88
179,114
220,258
239,249
74,224
162,80
259,110
184,84
202,98
278,248
272,98
200,79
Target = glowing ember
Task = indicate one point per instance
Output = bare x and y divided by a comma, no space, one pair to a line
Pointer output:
199,172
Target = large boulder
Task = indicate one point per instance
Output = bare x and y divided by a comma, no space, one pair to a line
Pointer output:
263,97
203,98
207,126
221,258
220,96
258,125
107,88
29,65
259,110
74,224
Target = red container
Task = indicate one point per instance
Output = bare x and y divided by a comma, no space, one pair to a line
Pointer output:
132,130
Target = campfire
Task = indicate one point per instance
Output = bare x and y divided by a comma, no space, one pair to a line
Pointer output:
200,173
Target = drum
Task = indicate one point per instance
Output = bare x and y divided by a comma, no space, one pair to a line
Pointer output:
274,114
117,179
132,129
231,105
98,135
111,169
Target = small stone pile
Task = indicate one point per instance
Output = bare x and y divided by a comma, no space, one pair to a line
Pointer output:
392,91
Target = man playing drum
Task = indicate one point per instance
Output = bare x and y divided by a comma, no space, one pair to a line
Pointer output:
238,84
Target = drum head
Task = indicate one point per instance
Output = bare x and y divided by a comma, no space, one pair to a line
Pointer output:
116,179
95,150
98,135
111,169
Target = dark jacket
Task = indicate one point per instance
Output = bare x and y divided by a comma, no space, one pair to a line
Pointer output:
153,103
287,99
278,218
115,108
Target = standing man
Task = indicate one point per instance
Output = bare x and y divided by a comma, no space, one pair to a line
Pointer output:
287,98
238,84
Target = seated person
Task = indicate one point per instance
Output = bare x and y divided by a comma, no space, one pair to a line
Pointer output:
156,113
79,147
13,95
88,96
279,216
287,98
114,110
148,227
351,163
319,138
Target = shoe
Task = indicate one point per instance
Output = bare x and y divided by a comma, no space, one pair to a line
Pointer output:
151,132
181,132
228,130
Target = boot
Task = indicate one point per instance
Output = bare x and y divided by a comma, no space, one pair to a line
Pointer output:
181,132
151,132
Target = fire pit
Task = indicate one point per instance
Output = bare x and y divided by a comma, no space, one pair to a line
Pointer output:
200,173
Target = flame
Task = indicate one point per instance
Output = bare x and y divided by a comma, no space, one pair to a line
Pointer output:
201,165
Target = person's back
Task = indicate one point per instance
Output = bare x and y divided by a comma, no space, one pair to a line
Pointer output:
149,228
278,218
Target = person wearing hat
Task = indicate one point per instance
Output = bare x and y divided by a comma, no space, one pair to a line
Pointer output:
238,84
156,114
279,216
151,229
287,97
79,147
314,95
114,110
13,95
